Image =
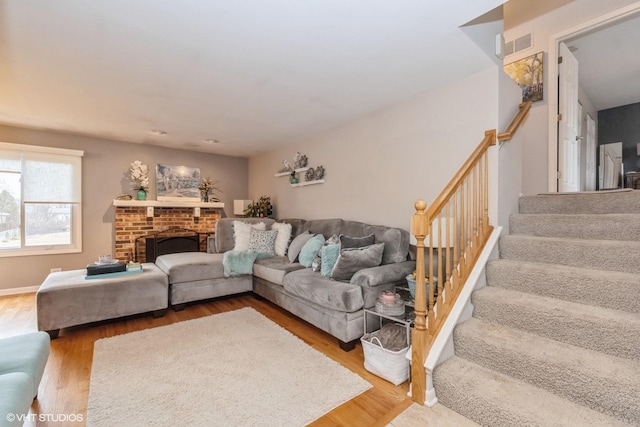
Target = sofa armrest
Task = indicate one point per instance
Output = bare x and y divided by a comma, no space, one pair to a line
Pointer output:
375,280
383,274
211,245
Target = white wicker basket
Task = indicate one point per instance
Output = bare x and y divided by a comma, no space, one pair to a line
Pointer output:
393,366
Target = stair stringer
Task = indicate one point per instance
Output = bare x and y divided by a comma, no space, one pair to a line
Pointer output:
443,347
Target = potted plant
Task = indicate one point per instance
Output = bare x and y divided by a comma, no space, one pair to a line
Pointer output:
206,185
262,208
139,173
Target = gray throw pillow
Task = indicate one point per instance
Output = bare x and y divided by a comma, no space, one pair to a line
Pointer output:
347,242
297,244
352,260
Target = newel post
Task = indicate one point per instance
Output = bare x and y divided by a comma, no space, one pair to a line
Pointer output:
419,337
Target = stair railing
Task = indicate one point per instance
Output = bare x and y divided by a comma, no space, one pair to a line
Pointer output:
517,121
457,228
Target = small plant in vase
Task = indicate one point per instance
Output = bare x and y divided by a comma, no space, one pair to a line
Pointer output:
206,185
293,178
139,173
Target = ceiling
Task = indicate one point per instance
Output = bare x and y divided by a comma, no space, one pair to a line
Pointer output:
228,77
609,64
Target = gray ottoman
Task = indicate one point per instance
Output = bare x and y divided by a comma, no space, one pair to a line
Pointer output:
67,299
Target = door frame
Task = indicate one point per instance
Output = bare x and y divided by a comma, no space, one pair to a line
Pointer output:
552,79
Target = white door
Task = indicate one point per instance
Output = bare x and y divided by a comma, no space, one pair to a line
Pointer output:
590,177
568,143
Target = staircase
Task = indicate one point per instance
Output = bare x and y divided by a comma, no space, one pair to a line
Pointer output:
555,335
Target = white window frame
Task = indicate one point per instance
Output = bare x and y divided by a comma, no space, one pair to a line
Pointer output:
76,207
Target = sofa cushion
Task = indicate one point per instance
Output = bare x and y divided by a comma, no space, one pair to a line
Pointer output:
329,257
310,250
223,240
296,245
326,227
191,266
352,260
396,240
347,242
242,234
274,269
263,242
315,265
332,294
284,236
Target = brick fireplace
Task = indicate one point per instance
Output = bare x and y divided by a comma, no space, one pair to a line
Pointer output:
134,220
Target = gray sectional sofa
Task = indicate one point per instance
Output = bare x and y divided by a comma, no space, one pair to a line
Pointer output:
335,306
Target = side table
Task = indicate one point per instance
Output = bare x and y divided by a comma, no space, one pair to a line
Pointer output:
406,320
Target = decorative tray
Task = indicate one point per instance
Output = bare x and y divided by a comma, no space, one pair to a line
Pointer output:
390,308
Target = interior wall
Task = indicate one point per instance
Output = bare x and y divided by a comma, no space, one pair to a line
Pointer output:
622,124
105,171
510,154
536,169
378,166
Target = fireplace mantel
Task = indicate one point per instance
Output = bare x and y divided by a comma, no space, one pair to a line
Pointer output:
164,204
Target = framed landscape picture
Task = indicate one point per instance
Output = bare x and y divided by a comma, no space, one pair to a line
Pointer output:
177,183
528,74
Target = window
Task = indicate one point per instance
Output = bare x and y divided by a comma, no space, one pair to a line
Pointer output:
40,200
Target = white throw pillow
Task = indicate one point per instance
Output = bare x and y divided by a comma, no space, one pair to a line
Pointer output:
242,234
284,235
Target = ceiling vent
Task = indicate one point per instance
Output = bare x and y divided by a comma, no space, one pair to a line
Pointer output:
519,44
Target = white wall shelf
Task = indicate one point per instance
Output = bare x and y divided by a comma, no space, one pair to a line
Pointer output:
289,173
302,184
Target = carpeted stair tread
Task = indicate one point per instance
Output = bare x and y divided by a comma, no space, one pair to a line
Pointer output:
605,383
593,254
609,289
578,226
494,399
601,202
612,332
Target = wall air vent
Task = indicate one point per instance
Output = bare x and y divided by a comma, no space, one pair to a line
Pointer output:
519,44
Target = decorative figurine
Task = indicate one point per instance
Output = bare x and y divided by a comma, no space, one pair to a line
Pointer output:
299,160
309,176
319,173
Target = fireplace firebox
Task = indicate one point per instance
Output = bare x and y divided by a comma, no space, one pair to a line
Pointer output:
173,240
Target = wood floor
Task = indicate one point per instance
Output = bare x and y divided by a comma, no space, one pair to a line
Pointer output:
65,386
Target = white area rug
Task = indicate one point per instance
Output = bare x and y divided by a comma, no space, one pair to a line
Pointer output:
231,369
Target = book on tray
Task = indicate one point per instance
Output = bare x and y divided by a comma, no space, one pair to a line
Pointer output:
94,269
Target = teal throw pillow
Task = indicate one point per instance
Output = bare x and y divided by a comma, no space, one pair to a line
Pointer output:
310,250
329,257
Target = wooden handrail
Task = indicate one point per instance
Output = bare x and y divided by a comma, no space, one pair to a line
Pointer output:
515,123
463,209
488,141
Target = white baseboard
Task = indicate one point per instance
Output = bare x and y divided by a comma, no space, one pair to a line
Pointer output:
18,291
